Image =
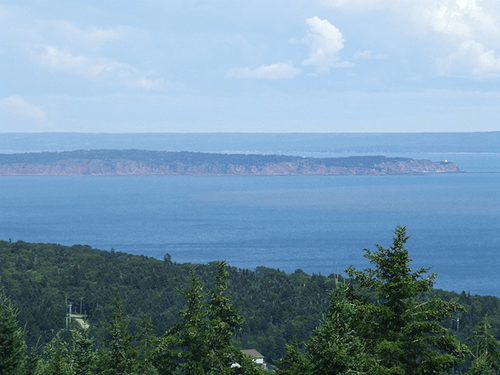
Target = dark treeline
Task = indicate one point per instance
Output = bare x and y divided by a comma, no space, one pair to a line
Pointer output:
286,317
143,162
161,158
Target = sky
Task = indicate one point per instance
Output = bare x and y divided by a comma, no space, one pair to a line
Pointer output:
253,66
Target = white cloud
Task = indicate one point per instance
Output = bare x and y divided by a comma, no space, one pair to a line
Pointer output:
470,26
56,58
325,42
471,57
95,67
65,46
369,55
93,35
462,25
459,20
279,70
16,105
21,26
462,18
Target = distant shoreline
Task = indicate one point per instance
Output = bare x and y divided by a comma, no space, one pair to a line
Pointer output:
259,143
164,163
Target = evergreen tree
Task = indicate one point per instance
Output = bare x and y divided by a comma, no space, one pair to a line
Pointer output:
485,349
480,366
403,331
31,362
12,344
336,346
294,362
224,323
56,359
147,342
201,342
120,358
184,345
84,357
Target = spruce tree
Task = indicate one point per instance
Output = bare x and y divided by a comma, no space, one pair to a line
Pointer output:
201,342
145,348
120,356
402,325
84,357
12,344
337,347
295,360
56,359
485,350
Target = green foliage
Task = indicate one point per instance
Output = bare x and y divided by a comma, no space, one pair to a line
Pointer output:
403,332
120,356
31,362
337,345
175,348
294,361
40,278
146,345
485,349
12,344
385,310
201,342
84,358
481,365
56,359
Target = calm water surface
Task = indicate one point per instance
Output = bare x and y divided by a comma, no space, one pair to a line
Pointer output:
317,224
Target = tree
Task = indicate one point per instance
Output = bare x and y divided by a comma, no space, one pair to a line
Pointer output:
31,362
402,326
84,358
480,366
485,350
121,355
184,344
337,346
201,342
224,323
294,362
56,359
167,258
145,349
12,344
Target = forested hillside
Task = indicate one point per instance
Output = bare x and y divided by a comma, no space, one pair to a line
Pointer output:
143,162
41,280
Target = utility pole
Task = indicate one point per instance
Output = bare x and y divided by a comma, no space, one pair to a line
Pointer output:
69,315
81,302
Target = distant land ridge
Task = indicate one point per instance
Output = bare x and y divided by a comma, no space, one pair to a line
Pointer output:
144,163
257,143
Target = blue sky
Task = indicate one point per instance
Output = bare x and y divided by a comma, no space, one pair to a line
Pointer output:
254,66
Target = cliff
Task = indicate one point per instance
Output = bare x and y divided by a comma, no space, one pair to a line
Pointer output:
142,163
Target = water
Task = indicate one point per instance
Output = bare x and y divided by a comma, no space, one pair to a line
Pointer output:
317,224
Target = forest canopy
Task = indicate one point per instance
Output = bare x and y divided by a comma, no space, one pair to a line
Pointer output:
138,310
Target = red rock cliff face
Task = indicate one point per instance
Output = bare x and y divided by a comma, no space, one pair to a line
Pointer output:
134,168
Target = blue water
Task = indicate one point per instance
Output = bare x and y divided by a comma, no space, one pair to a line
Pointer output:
317,224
